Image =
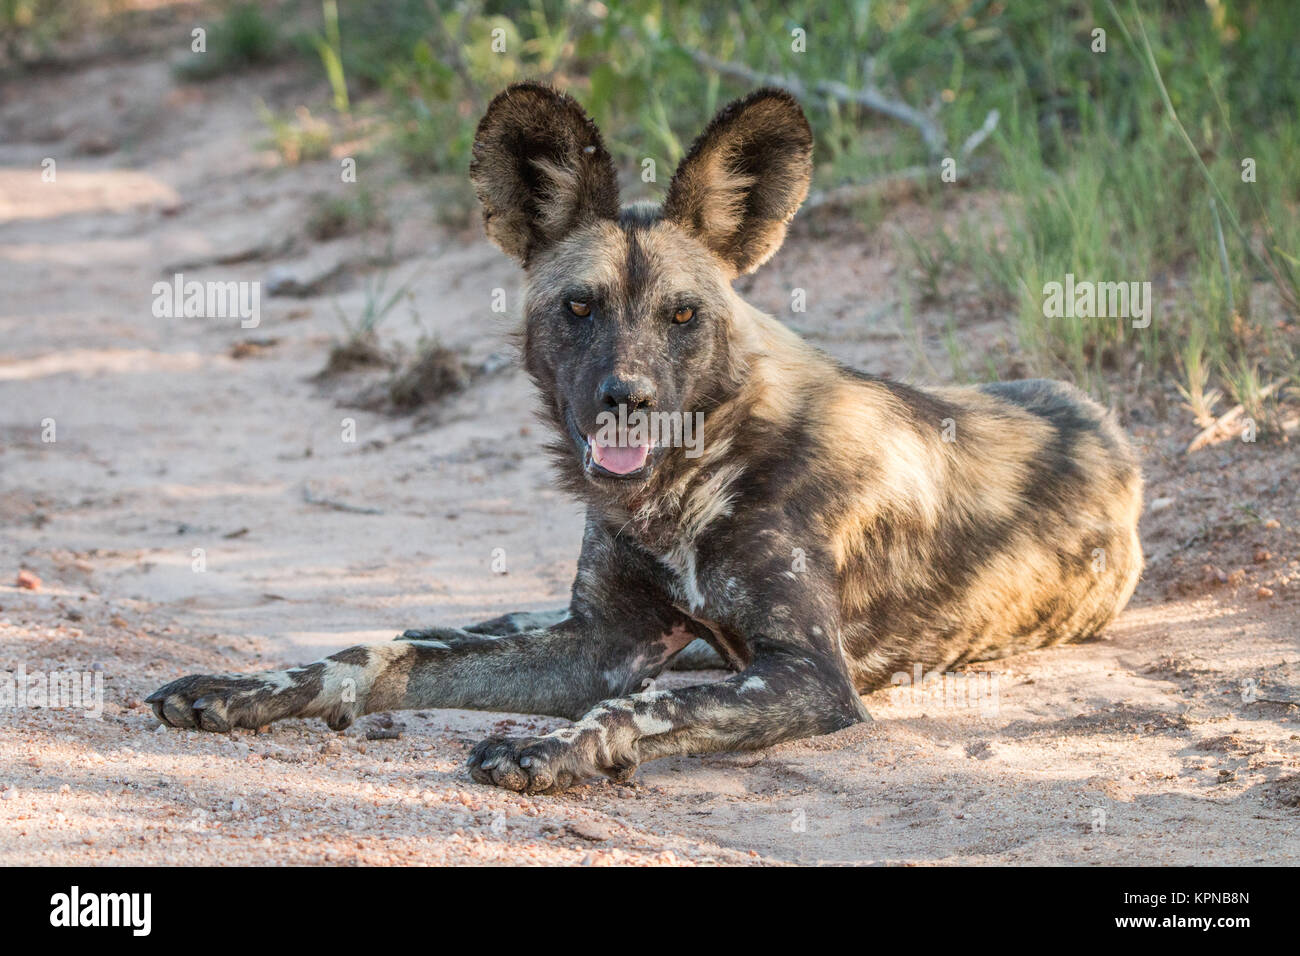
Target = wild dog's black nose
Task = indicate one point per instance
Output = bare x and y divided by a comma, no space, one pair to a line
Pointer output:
635,392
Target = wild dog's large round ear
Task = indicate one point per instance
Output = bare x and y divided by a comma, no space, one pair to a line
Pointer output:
540,169
744,178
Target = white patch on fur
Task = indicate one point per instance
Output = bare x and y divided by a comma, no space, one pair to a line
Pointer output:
681,561
589,723
650,726
280,680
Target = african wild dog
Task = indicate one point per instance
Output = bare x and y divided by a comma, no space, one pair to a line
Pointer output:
837,528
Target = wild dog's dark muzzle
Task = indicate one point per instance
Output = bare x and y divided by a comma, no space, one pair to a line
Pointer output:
620,443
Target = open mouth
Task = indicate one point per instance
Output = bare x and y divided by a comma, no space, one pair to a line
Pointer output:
621,460
629,459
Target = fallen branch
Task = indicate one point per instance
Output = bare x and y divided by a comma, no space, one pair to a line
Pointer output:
874,99
1220,429
871,97
850,193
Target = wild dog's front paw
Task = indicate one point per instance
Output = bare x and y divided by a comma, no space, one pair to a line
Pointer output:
535,764
214,702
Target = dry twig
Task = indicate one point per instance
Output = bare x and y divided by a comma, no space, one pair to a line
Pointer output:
1221,428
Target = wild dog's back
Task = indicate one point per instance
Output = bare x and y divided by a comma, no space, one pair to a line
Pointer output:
985,522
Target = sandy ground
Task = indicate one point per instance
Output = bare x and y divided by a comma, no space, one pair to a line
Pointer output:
1173,740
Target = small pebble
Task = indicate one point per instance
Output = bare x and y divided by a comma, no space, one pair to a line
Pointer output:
591,830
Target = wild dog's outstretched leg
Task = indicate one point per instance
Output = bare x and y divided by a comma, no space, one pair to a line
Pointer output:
622,629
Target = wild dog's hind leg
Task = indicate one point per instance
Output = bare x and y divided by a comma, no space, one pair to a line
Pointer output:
622,629
516,622
562,672
699,655
519,622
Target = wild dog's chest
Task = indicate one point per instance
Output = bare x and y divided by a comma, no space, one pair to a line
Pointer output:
709,598
696,596
700,508
694,584
678,529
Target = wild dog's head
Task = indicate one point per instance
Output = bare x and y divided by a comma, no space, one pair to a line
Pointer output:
629,312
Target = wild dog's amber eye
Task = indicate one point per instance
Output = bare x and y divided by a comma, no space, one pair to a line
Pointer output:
580,309
682,316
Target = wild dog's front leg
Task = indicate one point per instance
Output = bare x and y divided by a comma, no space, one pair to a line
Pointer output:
561,671
620,630
785,694
796,683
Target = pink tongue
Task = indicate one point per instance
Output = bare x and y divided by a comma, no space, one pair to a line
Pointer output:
618,459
